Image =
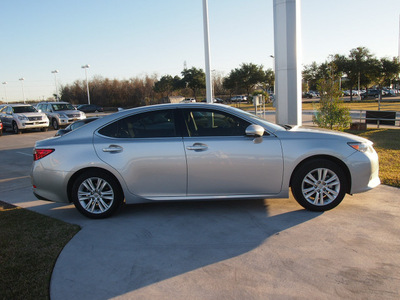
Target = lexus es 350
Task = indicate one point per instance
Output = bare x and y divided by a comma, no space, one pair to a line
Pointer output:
198,151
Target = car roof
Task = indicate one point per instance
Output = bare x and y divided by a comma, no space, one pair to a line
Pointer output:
54,102
18,104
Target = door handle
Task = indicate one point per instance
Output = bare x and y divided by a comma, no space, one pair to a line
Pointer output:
197,147
113,149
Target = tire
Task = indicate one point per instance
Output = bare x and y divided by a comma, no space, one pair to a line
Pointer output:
96,194
15,128
319,185
55,125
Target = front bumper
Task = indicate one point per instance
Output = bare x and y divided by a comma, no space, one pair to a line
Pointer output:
33,124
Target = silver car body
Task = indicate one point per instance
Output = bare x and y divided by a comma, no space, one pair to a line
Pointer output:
24,115
190,168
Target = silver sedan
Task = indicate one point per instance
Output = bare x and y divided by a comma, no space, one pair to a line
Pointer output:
198,152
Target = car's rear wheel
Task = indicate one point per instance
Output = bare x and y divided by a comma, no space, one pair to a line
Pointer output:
15,128
319,185
96,194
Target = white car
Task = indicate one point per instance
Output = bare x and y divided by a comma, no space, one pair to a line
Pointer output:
19,117
239,99
188,100
61,114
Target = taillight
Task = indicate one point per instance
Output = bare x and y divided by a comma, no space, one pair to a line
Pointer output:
40,153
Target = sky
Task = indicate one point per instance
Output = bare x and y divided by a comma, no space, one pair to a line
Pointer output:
122,39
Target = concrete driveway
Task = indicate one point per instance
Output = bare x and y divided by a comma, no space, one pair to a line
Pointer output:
246,249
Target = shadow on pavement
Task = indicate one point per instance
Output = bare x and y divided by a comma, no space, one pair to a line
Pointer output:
148,243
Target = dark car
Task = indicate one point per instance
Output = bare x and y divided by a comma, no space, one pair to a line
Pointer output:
87,108
370,93
75,125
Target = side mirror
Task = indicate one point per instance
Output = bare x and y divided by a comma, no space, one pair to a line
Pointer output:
255,130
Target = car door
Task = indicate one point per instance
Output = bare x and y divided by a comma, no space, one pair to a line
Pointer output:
147,150
223,161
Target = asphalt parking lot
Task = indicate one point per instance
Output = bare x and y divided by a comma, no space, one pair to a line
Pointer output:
258,249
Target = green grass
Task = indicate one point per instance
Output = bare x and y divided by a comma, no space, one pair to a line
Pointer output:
29,246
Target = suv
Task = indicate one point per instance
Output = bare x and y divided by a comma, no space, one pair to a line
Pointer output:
22,116
60,114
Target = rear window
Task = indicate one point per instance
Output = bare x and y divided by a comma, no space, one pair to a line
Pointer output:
146,125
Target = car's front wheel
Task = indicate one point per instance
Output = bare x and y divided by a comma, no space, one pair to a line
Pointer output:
15,128
96,194
319,185
55,125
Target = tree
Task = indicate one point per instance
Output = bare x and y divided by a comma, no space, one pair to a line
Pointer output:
383,71
195,79
164,86
356,67
245,78
331,112
250,75
311,75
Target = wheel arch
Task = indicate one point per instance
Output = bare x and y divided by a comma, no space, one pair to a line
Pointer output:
333,159
78,173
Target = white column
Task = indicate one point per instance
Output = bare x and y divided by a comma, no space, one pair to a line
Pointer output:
287,37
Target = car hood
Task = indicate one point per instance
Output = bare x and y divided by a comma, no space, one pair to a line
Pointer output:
30,114
68,112
320,133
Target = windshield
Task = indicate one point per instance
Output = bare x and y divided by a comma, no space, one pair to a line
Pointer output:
24,109
62,106
269,124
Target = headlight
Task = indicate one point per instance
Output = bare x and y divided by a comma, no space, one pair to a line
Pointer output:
62,115
23,118
361,146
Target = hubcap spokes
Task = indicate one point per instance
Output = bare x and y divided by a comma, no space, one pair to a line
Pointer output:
95,195
320,186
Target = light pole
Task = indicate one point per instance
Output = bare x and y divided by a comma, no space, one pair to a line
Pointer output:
23,92
55,81
209,90
87,82
5,90
273,68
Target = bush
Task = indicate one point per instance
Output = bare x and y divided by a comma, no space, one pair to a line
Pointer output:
331,112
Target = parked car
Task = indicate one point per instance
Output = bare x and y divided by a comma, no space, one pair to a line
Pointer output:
239,99
75,125
60,114
370,93
198,151
188,100
215,100
90,108
20,117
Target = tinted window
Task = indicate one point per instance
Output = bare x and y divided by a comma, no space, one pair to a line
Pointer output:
146,125
24,109
213,123
62,106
